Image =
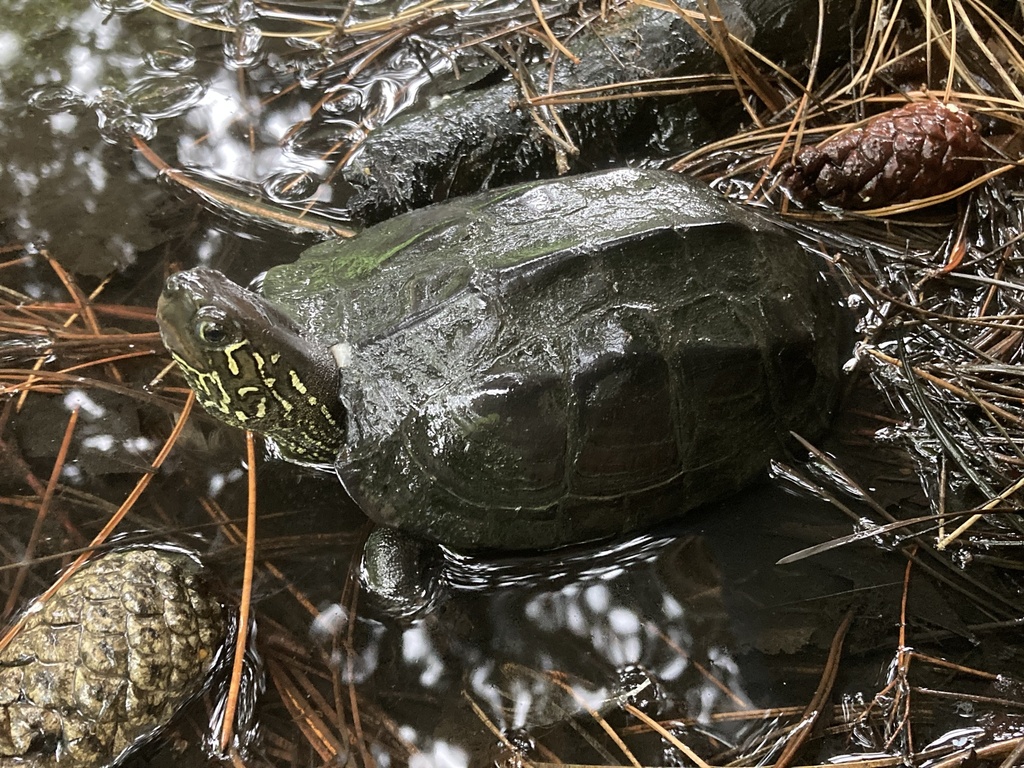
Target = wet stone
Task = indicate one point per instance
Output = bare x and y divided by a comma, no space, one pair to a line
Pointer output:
10,689
181,620
103,586
149,673
95,696
42,685
46,645
139,598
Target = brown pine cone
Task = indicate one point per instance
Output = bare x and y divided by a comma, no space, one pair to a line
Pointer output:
915,151
107,660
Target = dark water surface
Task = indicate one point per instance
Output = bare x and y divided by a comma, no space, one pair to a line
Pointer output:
693,625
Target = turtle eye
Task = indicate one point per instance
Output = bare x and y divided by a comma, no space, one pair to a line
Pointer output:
212,327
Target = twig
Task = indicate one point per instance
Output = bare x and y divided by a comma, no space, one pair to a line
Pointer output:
44,508
816,706
245,601
659,729
114,521
551,35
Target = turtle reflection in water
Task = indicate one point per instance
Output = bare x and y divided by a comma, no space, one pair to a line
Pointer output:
107,660
527,368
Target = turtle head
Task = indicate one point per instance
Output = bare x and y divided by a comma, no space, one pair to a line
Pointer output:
250,365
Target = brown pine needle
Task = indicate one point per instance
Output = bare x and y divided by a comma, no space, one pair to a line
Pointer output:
940,382
350,655
817,703
20,261
901,699
958,250
122,311
317,733
236,202
658,728
937,662
495,730
84,308
553,39
710,677
245,602
109,359
44,509
114,521
235,758
308,709
560,680
235,536
1014,758
56,382
949,538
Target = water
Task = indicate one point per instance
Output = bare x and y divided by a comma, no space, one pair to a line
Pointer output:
694,625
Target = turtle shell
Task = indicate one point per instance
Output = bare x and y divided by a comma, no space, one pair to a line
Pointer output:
565,360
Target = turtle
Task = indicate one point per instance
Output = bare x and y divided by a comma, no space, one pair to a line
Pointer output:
529,367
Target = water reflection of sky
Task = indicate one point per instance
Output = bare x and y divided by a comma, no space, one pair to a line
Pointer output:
536,653
91,81
271,120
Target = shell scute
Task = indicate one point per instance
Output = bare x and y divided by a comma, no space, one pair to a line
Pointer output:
618,448
620,381
513,433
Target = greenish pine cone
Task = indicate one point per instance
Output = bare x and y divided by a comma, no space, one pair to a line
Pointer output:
108,660
912,152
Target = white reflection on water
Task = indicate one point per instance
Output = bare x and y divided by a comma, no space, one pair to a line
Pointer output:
77,398
534,646
10,48
441,754
417,650
597,598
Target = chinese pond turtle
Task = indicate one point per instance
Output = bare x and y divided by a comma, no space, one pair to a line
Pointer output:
530,367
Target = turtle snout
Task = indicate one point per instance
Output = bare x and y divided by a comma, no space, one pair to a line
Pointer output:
177,300
197,285
175,284
175,290
185,292
176,309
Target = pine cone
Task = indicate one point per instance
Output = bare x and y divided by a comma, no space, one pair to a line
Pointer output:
909,153
107,661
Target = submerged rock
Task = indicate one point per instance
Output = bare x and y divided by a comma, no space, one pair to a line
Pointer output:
480,137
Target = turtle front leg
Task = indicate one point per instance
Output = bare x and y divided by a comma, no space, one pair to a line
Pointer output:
402,574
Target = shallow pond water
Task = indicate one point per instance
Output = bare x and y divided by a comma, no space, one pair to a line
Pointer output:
568,656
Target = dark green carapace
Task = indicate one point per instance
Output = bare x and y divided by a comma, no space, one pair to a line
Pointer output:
531,367
107,660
